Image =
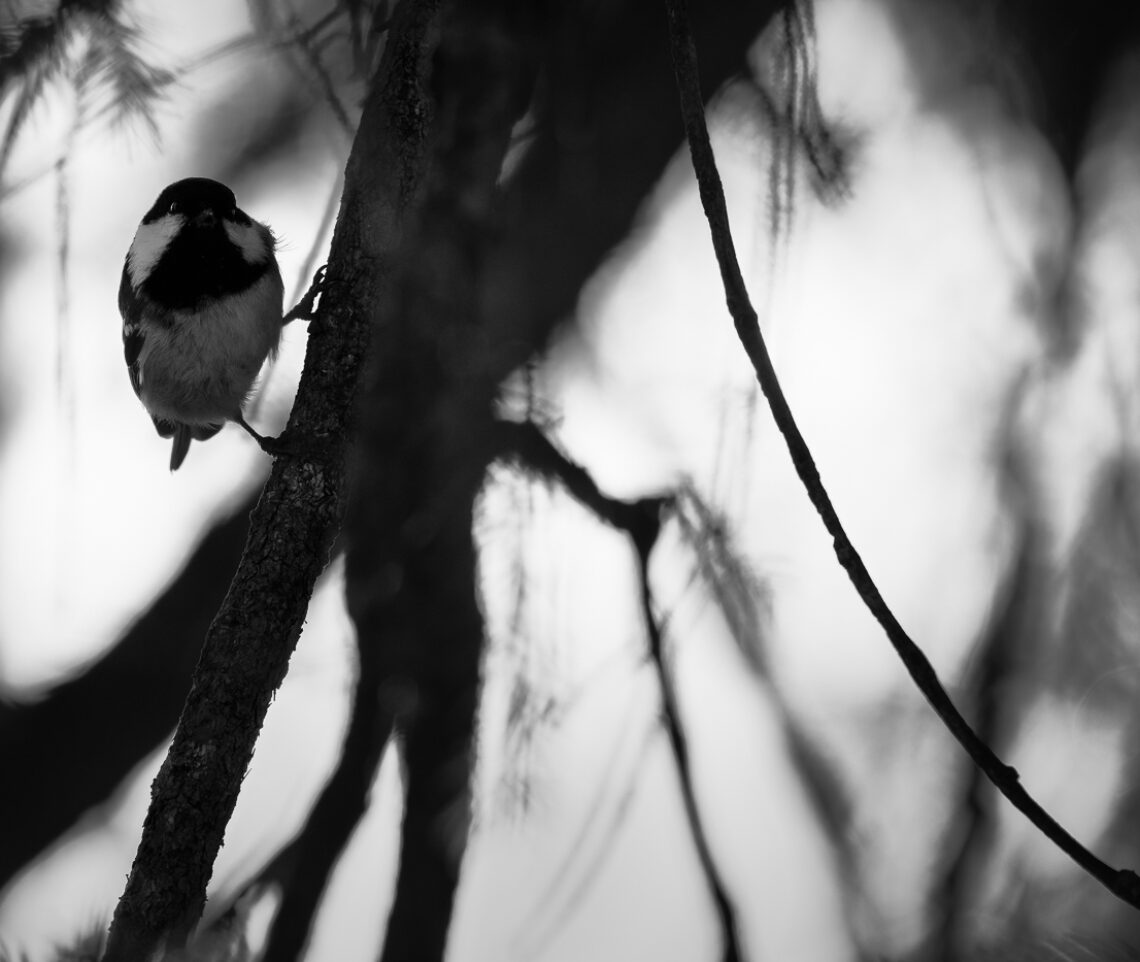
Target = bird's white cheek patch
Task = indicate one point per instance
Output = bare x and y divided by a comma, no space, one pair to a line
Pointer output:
148,246
254,247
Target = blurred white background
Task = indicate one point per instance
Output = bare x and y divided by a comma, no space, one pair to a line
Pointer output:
913,325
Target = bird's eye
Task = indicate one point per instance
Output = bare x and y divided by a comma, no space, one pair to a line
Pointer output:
173,208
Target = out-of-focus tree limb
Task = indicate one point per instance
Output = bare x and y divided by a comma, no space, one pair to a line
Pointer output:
71,749
1069,53
411,571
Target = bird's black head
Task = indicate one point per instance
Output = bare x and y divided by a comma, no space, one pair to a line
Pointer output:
192,197
195,244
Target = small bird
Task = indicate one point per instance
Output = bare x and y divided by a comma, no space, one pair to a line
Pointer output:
201,299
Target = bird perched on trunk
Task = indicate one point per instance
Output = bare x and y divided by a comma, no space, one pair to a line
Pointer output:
201,300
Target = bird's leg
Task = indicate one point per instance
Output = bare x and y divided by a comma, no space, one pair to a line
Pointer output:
286,447
268,445
304,311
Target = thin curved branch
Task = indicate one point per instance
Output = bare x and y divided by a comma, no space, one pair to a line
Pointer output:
247,648
1123,883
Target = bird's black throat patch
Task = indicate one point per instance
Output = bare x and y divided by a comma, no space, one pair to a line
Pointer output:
201,263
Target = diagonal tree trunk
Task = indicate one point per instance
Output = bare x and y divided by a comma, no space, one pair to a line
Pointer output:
292,528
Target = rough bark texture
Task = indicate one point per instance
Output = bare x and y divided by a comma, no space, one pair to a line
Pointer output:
291,530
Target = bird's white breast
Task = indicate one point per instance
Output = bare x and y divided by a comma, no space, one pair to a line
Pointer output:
201,367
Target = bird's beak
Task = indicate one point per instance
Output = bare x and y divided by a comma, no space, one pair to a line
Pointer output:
206,219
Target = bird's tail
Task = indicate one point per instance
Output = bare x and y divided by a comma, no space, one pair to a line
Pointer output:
183,434
180,447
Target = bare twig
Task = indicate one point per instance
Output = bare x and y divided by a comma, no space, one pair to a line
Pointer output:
1124,883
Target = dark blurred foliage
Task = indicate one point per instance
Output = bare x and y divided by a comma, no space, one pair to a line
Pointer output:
224,940
85,735
1068,51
